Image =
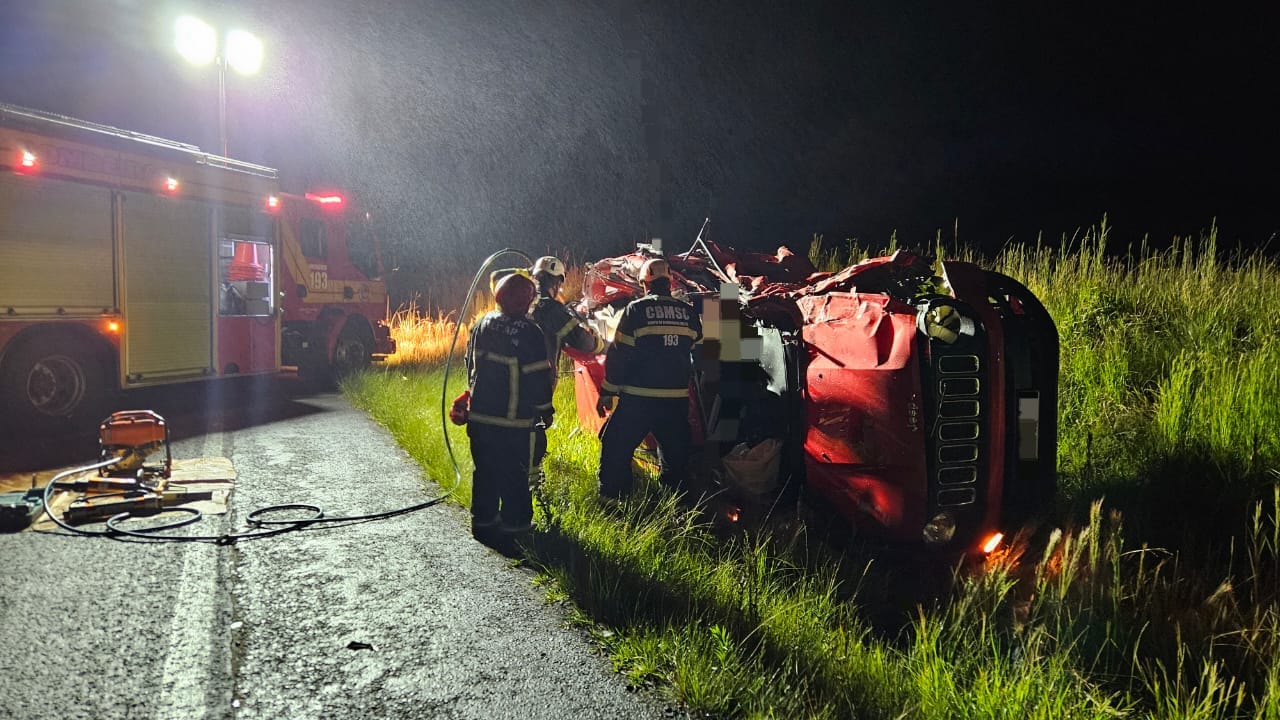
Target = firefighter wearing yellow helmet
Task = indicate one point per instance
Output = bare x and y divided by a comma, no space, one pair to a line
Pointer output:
510,393
647,369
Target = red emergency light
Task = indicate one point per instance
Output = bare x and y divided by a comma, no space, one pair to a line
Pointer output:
332,201
273,202
26,161
171,184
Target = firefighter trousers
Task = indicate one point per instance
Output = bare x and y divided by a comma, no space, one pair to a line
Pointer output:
500,497
634,418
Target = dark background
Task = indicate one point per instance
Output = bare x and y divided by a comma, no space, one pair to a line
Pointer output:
583,127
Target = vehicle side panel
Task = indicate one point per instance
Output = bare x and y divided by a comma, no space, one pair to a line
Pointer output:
167,298
864,443
55,247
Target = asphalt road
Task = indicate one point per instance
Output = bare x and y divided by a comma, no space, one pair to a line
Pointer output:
405,617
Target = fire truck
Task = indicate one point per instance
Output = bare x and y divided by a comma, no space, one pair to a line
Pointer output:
915,398
128,260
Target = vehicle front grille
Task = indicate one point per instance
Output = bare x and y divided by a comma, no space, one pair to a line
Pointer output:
957,430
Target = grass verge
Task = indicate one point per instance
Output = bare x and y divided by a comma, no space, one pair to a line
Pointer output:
1156,597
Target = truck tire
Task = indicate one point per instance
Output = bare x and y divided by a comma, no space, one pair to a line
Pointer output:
352,352
51,382
313,362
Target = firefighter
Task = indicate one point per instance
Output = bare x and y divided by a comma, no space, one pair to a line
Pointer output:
510,392
560,327
647,370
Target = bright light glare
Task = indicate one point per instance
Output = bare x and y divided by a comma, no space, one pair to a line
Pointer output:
28,159
196,40
244,52
325,199
992,543
273,202
171,184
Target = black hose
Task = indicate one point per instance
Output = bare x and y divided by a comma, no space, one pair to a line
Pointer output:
51,486
269,527
115,529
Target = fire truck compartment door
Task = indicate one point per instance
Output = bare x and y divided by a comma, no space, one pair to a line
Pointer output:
168,289
55,246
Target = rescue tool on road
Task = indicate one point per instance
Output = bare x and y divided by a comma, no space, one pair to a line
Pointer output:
122,487
128,260
922,406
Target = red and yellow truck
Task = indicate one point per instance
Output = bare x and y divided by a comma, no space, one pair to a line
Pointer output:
128,260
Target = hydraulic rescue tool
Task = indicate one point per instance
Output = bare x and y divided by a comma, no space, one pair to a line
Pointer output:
132,435
129,484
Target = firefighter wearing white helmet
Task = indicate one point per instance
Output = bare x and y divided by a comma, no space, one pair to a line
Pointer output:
510,392
647,369
560,327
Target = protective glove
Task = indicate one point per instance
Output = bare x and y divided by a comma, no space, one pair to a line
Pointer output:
605,404
459,412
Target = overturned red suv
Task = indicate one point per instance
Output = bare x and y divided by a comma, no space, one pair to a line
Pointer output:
919,402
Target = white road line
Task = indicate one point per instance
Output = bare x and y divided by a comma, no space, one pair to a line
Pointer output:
184,685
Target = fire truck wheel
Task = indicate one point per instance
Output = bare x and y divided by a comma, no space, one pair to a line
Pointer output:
50,380
352,352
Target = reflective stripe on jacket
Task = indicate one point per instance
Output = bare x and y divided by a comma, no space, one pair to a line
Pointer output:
561,329
652,350
508,371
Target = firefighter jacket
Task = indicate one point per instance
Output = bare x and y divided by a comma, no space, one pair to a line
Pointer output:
509,376
560,328
652,350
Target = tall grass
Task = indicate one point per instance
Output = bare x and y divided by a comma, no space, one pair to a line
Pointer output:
1156,597
423,340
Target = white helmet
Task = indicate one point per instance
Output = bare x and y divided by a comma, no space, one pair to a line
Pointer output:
653,269
548,265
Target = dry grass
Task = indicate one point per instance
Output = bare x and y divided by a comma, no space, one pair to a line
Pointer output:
423,340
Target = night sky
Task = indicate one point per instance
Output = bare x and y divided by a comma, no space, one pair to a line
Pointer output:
583,127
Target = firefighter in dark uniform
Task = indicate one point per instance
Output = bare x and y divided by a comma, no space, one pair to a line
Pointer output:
647,369
559,326
510,392
560,329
